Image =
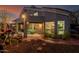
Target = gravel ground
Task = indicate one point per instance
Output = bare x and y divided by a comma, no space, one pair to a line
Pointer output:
40,46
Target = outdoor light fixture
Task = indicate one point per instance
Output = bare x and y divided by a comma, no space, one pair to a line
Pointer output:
23,16
40,25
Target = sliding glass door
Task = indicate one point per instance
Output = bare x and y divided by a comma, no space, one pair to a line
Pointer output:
35,28
49,29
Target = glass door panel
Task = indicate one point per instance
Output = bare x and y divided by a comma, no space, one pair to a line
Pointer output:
35,28
31,29
61,27
49,29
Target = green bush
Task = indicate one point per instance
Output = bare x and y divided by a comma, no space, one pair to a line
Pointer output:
48,34
30,31
66,35
14,42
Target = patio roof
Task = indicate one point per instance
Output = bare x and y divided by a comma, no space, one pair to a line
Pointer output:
36,19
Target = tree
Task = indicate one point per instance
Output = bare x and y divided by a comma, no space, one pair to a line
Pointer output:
5,17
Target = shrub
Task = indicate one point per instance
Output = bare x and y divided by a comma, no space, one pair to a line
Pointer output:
66,35
49,35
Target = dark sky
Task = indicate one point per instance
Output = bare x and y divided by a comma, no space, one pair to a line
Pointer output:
17,9
67,7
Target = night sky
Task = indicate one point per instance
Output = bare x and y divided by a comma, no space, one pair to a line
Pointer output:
17,9
67,7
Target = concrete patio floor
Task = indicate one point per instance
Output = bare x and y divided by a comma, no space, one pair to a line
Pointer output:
49,40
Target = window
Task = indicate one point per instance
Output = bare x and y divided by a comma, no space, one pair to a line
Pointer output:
61,27
35,28
49,28
36,14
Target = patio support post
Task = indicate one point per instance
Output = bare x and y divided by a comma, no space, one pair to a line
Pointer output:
44,29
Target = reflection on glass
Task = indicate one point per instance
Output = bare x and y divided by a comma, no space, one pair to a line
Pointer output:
60,27
49,28
35,28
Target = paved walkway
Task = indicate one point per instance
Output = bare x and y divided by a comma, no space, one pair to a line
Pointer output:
58,45
68,42
58,41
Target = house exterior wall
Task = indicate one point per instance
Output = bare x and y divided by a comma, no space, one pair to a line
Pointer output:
49,15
